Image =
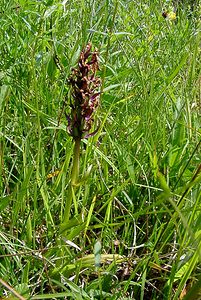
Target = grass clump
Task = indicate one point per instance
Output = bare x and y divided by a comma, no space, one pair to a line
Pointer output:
130,226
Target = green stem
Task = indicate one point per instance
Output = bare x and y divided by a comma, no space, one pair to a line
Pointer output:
74,180
76,162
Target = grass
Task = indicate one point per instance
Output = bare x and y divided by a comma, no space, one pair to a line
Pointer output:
134,230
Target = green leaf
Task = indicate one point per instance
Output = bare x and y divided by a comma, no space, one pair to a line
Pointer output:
97,253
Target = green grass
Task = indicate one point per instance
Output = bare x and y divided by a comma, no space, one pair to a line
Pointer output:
139,198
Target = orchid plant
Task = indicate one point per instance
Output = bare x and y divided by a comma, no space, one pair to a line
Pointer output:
85,94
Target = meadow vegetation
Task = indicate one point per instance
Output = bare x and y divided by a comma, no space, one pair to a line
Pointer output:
131,227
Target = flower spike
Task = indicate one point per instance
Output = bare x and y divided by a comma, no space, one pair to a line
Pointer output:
84,95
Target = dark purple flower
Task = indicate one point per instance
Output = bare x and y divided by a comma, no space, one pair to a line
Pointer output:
84,94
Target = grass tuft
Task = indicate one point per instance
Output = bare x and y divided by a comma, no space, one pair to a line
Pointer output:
132,227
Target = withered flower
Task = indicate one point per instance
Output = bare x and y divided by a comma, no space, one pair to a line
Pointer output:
84,94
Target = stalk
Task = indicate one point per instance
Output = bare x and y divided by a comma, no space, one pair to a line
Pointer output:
74,179
76,162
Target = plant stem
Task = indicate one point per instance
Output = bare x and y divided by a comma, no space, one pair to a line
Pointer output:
76,162
74,179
